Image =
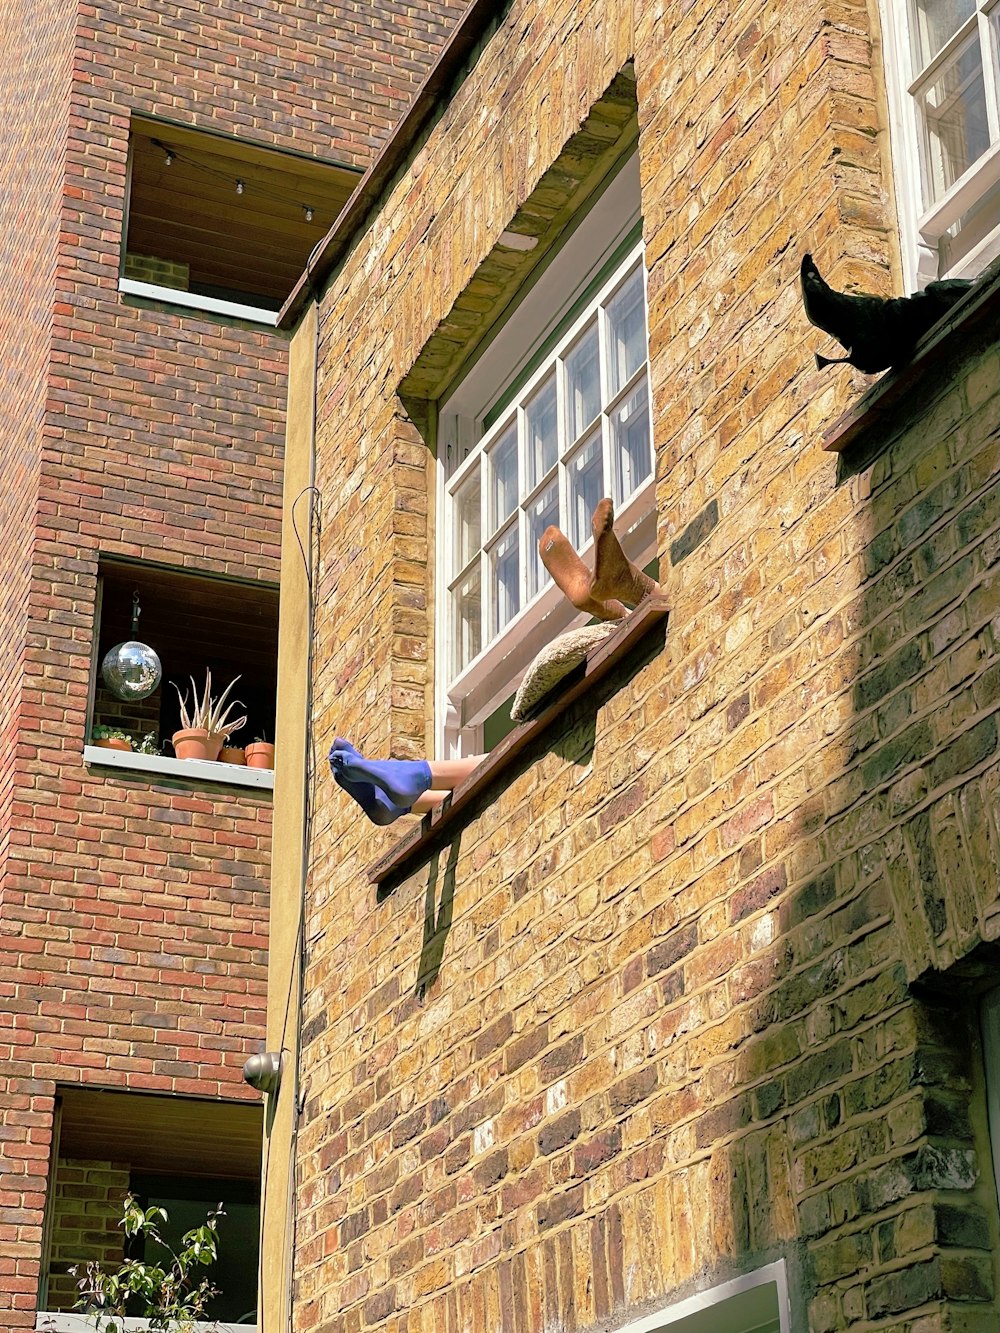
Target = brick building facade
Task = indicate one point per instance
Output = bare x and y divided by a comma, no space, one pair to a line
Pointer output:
675,1021
142,447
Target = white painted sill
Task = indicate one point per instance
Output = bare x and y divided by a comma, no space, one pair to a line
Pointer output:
192,770
82,1323
150,291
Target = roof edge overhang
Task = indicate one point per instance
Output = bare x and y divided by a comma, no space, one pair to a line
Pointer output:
361,207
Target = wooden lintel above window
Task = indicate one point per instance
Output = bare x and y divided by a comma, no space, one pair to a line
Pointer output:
436,827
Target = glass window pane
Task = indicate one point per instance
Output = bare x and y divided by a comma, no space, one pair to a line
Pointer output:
541,428
954,126
467,606
466,534
542,512
503,477
631,457
583,384
505,581
932,22
585,483
626,331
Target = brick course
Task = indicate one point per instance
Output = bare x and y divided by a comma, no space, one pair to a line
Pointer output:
649,1019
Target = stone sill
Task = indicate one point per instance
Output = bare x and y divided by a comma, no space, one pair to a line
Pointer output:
189,770
885,395
600,661
56,1322
210,305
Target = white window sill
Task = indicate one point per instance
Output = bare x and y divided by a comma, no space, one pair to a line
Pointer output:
149,291
81,1323
966,191
194,770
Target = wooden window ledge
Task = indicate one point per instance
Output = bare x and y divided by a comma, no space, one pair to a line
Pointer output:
599,662
884,397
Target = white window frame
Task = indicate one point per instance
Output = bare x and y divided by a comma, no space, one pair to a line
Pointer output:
465,701
751,1298
922,226
53,1321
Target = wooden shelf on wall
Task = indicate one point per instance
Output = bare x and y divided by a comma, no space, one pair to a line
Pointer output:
434,828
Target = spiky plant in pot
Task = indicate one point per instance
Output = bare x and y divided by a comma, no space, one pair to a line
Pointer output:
208,720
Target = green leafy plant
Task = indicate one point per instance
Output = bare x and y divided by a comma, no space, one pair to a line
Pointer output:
150,744
166,1293
208,712
110,734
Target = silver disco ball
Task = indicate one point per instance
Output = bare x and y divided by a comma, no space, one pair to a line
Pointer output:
131,670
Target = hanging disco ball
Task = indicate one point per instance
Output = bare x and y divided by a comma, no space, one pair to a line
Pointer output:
131,670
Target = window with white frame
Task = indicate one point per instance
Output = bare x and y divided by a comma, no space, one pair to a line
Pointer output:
942,75
757,1302
554,416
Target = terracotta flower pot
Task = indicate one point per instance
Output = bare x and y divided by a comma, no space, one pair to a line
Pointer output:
191,744
114,743
214,744
260,755
233,754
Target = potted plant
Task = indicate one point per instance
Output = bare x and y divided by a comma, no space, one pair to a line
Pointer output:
162,1288
150,744
205,728
110,738
260,754
233,754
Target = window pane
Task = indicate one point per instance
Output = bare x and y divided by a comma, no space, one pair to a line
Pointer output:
504,575
503,477
543,511
586,486
583,384
932,23
466,517
541,429
630,453
468,639
954,127
626,331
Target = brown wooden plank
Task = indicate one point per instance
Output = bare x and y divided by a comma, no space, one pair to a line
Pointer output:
980,304
230,148
599,663
183,1135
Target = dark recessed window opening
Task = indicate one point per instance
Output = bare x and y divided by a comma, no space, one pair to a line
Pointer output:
220,218
184,1154
187,1201
192,623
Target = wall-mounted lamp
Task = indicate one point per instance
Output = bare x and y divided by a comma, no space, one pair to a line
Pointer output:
263,1072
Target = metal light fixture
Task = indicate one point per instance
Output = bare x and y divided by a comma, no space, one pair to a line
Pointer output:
131,670
263,1071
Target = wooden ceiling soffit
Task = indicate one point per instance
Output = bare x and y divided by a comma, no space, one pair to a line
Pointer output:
147,1132
606,136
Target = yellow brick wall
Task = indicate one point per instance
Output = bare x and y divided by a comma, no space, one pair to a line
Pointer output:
647,1020
86,1215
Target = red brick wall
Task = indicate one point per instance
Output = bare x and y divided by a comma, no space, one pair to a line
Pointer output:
134,913
35,40
34,91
